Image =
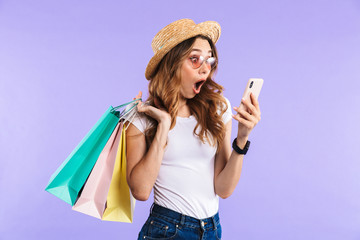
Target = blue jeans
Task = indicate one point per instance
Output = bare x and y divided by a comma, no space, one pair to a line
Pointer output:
164,223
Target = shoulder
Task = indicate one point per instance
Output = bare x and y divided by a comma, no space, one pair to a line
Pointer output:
140,121
225,110
228,104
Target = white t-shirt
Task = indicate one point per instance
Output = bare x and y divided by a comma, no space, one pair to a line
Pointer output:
185,182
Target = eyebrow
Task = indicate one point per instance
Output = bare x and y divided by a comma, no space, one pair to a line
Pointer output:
198,50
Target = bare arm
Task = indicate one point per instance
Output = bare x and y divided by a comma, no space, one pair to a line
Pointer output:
228,163
143,166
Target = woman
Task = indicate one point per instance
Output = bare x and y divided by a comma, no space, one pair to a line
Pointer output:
179,143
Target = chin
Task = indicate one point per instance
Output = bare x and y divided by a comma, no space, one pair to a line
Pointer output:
188,96
191,96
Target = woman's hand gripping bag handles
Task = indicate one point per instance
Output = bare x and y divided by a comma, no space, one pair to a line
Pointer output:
120,203
92,200
67,181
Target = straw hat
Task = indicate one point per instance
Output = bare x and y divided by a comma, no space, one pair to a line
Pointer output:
175,33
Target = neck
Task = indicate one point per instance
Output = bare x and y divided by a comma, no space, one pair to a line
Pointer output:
184,110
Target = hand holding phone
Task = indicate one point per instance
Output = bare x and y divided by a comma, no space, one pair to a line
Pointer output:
248,118
253,86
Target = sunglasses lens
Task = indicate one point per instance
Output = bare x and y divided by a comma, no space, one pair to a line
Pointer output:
197,64
210,62
197,61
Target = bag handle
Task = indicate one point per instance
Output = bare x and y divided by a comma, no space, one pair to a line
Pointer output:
125,104
124,112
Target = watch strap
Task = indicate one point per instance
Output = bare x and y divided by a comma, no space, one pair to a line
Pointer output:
239,150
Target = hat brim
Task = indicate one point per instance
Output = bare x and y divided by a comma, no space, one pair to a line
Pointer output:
210,29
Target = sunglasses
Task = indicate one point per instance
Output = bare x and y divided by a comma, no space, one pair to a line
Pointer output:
197,61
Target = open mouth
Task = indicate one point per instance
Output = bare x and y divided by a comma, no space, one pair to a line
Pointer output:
197,86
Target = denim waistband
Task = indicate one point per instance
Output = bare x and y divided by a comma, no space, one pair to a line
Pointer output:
178,218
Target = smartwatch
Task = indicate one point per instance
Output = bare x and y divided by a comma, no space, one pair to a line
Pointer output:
239,150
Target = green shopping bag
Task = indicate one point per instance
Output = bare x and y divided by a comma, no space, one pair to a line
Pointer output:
67,181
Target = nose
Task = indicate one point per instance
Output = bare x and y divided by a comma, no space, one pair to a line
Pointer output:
204,69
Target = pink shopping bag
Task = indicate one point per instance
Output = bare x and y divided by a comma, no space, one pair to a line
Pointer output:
93,198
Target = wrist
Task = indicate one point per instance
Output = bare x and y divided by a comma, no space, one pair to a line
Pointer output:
164,125
241,141
161,135
240,150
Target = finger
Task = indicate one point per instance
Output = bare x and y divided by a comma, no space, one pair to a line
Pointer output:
256,110
254,101
143,107
251,109
245,114
246,123
248,117
139,104
149,110
138,96
248,105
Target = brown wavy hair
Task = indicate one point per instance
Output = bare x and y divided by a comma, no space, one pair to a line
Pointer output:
165,86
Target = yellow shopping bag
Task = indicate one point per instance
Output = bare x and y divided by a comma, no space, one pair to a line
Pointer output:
120,203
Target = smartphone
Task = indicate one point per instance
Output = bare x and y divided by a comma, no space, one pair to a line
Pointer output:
253,86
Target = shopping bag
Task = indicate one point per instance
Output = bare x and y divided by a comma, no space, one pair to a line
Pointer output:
93,196
120,202
69,178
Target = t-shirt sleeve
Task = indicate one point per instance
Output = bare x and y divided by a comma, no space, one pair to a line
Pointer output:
227,116
140,122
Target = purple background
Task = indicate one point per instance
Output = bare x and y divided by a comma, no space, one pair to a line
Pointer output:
62,63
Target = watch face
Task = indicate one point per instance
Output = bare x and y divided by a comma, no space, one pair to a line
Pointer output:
247,145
